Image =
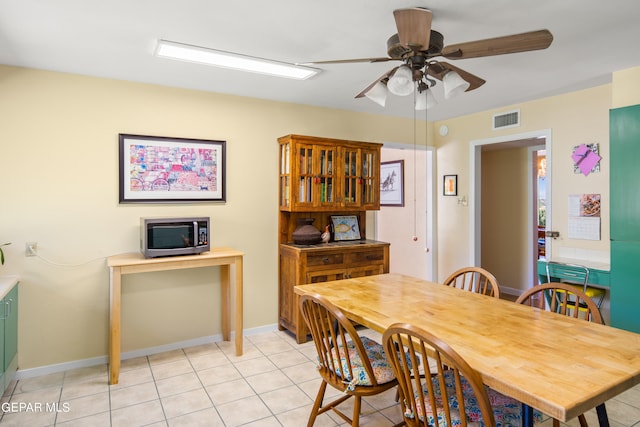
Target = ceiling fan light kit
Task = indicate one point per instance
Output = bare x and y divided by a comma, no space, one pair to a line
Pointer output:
416,44
401,83
234,61
454,85
378,94
425,99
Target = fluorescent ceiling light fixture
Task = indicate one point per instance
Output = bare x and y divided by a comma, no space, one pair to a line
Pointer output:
234,61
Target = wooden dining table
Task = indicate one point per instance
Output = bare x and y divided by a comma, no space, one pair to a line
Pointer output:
554,363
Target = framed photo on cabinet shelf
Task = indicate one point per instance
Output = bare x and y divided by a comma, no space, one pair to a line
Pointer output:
450,185
345,227
156,169
392,183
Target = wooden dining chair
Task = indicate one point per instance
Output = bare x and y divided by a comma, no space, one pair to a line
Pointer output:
474,279
453,394
354,365
563,298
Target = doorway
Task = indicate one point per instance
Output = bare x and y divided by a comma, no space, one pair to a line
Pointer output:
539,200
504,209
538,172
410,228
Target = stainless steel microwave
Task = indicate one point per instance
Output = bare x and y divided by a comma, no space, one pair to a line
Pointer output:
174,236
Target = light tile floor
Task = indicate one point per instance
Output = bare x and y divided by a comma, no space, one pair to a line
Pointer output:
272,384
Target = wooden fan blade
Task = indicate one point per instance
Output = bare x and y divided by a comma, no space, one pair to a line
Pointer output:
414,27
348,61
439,69
524,42
383,77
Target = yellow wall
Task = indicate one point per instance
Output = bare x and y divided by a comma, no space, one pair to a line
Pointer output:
504,213
59,177
575,118
626,88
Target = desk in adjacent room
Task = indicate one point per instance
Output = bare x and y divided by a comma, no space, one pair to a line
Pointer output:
135,263
598,271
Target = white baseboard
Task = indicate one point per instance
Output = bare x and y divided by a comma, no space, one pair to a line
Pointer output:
100,360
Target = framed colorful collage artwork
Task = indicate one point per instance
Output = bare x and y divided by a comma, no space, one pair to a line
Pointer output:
168,170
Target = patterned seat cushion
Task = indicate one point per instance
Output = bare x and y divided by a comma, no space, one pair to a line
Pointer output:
375,352
507,411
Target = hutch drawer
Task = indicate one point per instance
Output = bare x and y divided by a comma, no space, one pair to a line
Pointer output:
304,265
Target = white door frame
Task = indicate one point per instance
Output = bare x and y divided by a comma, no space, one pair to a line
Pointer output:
475,186
432,238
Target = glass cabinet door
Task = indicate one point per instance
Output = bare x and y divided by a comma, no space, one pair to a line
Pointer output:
361,183
285,176
325,177
306,176
350,189
369,182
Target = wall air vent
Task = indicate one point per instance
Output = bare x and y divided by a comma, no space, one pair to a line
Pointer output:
510,119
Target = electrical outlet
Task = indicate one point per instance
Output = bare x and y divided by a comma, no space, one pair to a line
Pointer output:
30,248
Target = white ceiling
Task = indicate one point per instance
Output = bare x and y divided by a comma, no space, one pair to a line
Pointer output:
116,39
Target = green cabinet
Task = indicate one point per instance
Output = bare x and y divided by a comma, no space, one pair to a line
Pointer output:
3,321
625,288
10,364
624,128
9,336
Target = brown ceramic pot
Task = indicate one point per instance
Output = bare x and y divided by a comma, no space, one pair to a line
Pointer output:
306,233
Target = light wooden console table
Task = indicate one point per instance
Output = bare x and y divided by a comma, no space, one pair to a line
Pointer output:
135,263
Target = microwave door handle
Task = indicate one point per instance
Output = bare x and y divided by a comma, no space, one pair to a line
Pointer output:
195,234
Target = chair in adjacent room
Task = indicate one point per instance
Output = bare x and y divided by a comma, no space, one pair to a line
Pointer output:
562,298
577,275
354,365
453,394
474,279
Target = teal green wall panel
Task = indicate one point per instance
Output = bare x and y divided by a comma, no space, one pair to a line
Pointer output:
625,292
624,147
625,173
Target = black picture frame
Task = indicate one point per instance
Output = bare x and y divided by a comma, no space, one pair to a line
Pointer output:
392,183
158,169
450,185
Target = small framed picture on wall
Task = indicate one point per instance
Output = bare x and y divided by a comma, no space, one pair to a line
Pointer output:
450,185
392,183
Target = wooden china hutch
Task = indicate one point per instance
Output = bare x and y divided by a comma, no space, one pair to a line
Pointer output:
320,178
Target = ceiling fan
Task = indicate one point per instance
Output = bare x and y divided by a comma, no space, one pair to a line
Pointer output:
416,44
